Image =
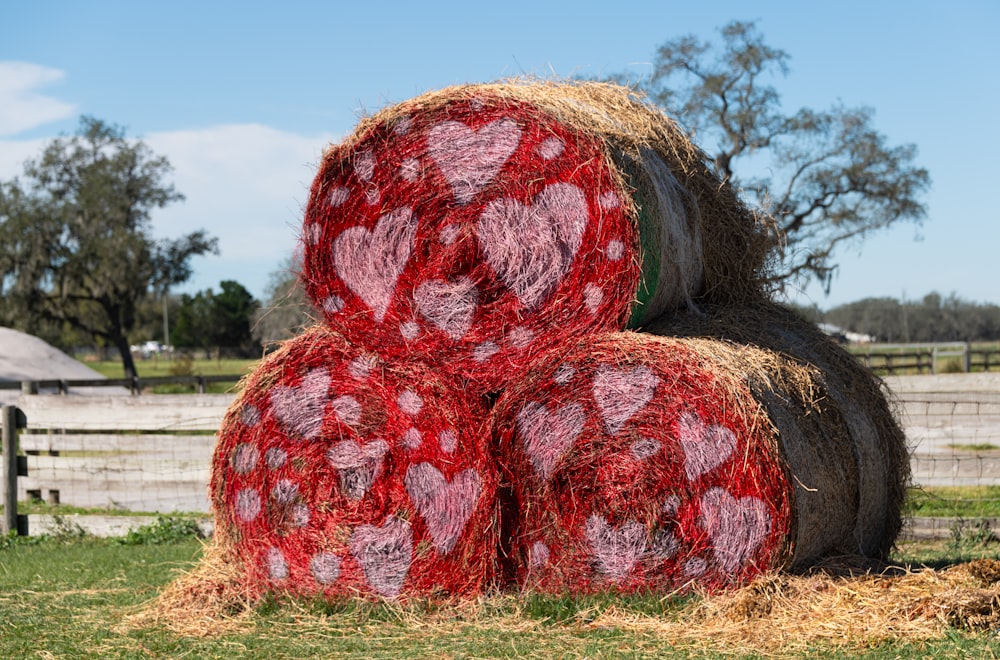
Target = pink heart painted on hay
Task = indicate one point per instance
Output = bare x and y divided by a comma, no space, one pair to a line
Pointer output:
448,305
621,393
445,507
384,553
370,262
706,447
359,466
469,159
737,526
548,435
532,247
616,549
300,408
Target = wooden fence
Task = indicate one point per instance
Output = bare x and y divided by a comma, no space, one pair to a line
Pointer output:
896,359
132,453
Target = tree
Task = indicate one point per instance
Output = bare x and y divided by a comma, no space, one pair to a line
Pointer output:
287,310
75,236
832,178
209,320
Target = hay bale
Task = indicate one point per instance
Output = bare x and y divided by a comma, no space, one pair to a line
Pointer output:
336,473
879,457
475,226
632,463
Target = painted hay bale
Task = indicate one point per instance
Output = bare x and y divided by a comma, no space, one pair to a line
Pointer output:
475,226
640,463
879,454
338,474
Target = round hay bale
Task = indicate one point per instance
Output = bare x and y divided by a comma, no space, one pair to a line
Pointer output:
639,463
338,474
475,226
880,456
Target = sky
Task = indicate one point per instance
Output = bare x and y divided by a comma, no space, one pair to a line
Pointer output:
242,98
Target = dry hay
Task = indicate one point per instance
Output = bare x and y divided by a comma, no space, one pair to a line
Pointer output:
783,614
879,460
475,226
336,473
639,463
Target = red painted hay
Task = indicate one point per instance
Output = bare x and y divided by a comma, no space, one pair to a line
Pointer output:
476,226
876,458
338,474
637,463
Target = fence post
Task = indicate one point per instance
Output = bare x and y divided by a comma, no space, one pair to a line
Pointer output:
10,419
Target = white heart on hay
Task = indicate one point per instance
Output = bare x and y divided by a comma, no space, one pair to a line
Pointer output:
548,435
705,446
358,466
621,393
300,408
445,506
737,527
325,567
470,159
370,262
616,549
384,554
531,247
450,306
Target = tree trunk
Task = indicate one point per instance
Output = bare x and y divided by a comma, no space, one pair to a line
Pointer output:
127,362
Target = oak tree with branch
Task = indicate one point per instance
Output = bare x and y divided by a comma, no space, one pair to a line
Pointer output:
75,236
829,178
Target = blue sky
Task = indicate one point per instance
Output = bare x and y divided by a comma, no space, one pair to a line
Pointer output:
243,96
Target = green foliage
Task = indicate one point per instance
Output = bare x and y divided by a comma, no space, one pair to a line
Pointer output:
209,320
832,179
76,245
287,309
932,319
966,535
166,529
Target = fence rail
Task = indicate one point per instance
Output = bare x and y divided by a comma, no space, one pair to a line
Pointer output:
134,385
893,359
153,453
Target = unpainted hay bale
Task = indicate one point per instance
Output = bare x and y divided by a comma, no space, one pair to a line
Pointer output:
635,463
338,474
879,454
478,225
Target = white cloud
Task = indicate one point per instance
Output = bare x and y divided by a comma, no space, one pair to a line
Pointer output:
21,106
247,185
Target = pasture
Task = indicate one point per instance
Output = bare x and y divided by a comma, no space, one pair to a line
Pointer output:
68,595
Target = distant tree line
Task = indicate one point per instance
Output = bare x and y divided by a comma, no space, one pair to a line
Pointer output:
931,319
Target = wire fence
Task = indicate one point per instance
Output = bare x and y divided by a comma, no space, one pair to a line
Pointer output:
153,453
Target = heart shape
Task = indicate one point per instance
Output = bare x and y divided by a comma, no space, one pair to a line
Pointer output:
370,262
737,526
450,306
616,549
445,507
300,408
621,393
548,435
358,466
531,247
705,447
384,553
469,159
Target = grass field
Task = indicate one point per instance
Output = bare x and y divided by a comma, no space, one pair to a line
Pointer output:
155,367
70,596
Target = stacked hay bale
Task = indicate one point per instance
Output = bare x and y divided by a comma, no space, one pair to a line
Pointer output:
470,412
474,227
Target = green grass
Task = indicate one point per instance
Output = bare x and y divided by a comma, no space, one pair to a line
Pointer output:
155,367
953,502
69,597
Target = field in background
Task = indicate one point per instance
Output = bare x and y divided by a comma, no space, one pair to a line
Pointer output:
162,366
71,596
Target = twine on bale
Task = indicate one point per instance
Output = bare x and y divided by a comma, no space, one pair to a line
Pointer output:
878,459
637,463
338,474
476,226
